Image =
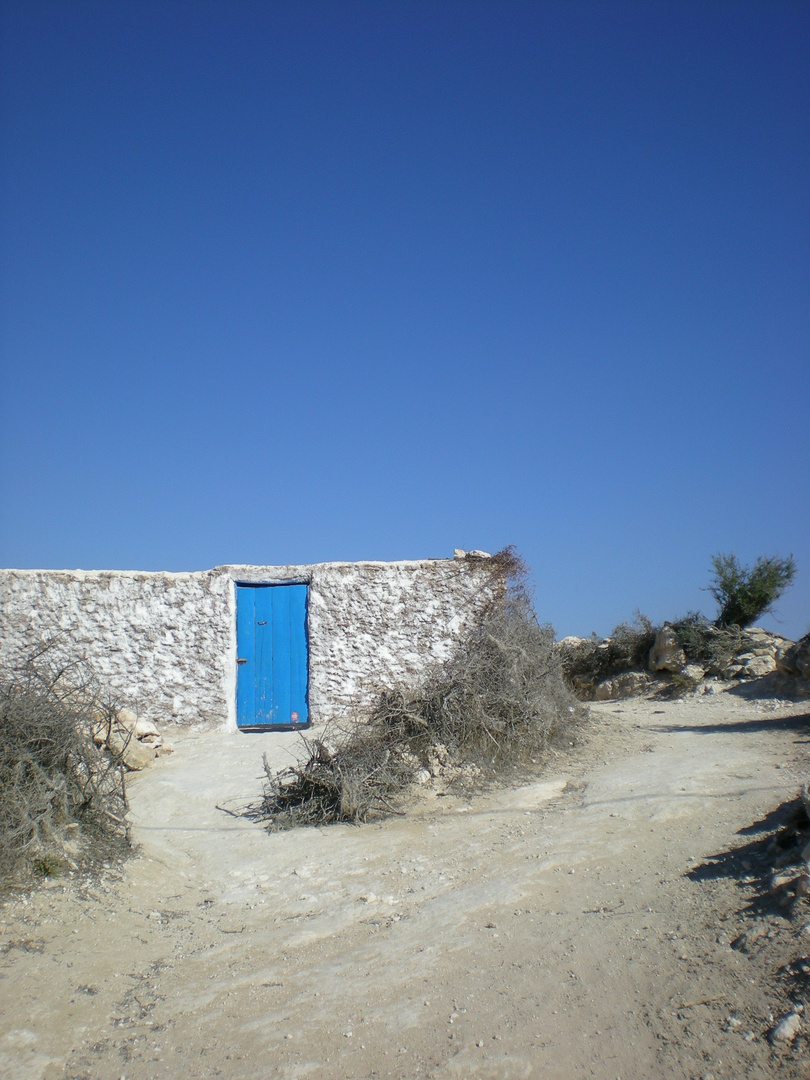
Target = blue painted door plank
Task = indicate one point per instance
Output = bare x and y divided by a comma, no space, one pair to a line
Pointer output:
245,650
298,654
265,648
281,655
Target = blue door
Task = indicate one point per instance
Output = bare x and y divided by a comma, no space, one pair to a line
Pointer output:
271,651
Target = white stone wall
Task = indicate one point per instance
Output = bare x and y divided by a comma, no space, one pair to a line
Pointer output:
165,644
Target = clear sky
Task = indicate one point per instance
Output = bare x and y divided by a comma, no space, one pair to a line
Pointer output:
311,281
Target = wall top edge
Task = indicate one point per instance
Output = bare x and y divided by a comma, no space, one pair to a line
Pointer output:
239,570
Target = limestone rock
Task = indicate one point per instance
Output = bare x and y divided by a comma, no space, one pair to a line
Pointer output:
794,659
784,660
667,653
127,720
460,553
573,650
751,940
787,1029
766,640
573,642
630,684
757,666
145,730
100,732
782,880
695,672
134,754
755,656
715,686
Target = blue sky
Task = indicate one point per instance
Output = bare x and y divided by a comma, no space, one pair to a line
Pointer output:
298,282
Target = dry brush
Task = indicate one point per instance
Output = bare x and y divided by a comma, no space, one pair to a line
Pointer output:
499,702
62,797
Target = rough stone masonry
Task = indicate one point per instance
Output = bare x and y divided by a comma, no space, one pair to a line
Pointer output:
165,643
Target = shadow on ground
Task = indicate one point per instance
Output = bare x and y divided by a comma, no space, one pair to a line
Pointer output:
773,685
781,832
799,723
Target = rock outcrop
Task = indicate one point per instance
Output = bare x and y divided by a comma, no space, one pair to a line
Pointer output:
794,658
682,656
758,658
667,653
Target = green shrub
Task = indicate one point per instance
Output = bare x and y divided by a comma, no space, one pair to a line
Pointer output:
743,593
50,865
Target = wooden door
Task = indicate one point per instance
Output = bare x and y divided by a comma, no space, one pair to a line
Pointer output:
272,657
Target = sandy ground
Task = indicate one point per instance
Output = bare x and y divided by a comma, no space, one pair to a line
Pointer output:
585,924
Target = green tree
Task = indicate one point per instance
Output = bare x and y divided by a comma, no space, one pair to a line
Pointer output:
743,593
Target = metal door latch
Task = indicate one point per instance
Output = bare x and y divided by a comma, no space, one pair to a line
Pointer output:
241,660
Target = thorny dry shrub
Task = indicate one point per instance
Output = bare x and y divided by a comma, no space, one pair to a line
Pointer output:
713,648
627,649
63,797
500,701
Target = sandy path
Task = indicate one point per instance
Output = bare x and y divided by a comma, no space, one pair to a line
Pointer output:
564,929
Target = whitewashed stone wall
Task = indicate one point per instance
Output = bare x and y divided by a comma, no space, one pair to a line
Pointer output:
165,643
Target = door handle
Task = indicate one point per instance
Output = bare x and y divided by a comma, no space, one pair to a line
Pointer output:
241,660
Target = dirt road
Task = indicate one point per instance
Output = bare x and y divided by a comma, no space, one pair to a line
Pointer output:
578,926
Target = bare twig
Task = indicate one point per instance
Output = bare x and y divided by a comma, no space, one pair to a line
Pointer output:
703,1001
